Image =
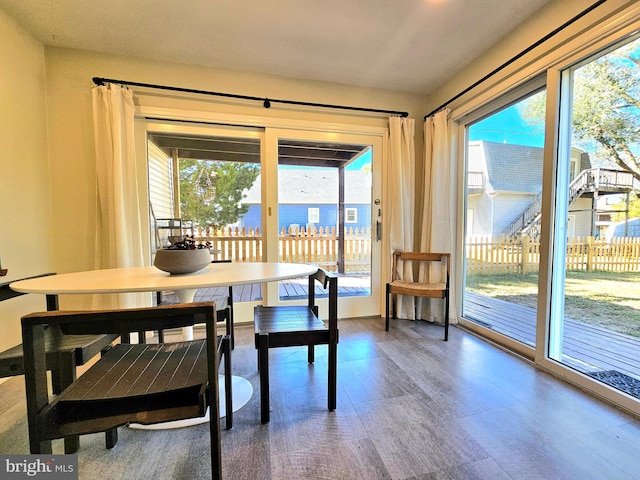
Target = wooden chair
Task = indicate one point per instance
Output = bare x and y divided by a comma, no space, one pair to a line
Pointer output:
289,326
438,289
141,383
63,354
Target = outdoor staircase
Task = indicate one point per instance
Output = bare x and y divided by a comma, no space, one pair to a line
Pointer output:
589,180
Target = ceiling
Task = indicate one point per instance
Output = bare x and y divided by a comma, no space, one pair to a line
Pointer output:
411,46
247,150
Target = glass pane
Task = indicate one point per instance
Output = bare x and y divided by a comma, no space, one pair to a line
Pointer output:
595,327
324,212
209,187
503,192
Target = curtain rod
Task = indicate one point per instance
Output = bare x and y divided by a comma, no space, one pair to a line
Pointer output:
518,56
266,102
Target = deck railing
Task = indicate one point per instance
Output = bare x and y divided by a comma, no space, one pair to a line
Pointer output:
318,245
488,255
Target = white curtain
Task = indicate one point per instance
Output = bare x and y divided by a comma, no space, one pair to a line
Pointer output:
401,209
437,230
118,222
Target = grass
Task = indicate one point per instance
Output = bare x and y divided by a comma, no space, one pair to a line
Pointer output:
607,299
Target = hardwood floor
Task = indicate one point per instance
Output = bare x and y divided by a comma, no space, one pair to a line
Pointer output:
410,406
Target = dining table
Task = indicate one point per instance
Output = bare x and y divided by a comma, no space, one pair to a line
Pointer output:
151,279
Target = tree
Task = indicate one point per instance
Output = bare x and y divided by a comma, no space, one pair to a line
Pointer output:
211,192
634,209
606,108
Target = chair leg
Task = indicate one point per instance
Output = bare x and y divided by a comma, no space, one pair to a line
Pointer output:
386,317
230,327
311,354
333,376
446,318
228,398
61,377
111,437
263,352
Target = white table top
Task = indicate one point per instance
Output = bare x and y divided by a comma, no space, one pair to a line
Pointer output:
150,279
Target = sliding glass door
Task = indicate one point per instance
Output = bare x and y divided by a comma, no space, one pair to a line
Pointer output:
276,195
595,308
504,155
327,186
552,221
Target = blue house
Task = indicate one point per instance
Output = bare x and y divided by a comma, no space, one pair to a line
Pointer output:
308,197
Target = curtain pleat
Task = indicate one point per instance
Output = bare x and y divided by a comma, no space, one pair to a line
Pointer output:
437,230
118,222
402,183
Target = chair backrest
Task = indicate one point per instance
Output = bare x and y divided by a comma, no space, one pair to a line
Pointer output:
328,281
121,321
428,257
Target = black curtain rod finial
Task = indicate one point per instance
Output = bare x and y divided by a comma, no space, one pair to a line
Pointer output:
98,81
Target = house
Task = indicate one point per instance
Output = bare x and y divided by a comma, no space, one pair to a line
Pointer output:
504,184
309,198
48,190
503,181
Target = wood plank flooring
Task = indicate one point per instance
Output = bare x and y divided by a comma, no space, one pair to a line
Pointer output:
410,406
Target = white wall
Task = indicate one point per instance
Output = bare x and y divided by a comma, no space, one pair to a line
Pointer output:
25,215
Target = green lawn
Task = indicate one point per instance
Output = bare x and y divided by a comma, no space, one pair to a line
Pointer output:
608,299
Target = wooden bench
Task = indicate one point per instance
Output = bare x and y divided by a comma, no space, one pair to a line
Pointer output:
288,326
63,353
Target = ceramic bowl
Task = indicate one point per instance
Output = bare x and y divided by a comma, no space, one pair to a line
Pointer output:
178,262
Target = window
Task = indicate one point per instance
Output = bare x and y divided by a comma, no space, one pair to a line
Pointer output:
505,147
313,215
595,281
558,169
350,215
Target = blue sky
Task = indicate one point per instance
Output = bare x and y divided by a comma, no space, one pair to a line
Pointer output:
506,127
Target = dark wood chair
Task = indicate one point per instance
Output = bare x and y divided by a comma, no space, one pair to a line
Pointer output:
289,326
180,380
63,354
436,289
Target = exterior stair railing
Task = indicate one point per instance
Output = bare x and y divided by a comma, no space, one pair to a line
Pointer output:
528,222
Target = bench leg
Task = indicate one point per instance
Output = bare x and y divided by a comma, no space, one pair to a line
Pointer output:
263,352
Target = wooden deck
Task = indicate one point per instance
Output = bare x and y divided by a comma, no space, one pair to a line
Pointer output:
587,348
348,286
